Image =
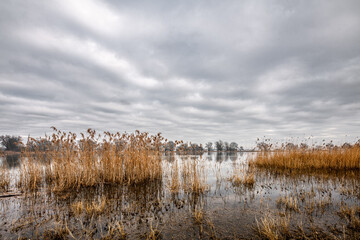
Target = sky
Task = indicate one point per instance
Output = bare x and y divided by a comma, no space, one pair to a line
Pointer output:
193,70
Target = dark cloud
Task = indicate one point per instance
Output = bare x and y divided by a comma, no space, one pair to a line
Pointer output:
195,71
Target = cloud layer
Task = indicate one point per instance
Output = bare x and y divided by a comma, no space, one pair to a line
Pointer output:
198,71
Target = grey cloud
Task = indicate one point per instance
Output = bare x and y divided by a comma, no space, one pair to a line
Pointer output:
198,71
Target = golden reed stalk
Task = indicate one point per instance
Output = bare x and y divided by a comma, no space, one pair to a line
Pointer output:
93,160
303,159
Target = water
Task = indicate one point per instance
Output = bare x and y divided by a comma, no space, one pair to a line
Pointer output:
228,211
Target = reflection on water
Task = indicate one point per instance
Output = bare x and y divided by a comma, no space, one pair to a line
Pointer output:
224,210
10,161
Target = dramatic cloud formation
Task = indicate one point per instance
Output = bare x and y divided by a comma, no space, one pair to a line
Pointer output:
193,70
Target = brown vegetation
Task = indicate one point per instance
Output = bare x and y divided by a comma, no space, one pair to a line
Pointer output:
71,164
303,159
4,179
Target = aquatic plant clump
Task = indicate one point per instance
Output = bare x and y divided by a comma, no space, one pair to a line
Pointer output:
310,159
69,163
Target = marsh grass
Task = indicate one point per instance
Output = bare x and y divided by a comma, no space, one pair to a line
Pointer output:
153,234
116,231
241,176
273,228
352,215
310,159
77,208
5,179
290,202
198,215
175,178
96,207
92,161
194,176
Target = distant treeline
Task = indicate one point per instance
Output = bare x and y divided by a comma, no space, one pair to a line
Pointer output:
15,144
195,148
11,143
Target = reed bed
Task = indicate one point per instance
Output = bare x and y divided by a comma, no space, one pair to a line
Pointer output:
4,179
194,176
241,176
273,228
312,159
68,163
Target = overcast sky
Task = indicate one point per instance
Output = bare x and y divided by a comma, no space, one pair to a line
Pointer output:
193,70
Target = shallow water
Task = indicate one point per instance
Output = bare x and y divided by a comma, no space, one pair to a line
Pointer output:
229,211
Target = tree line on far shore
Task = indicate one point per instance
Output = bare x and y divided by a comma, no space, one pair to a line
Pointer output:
219,146
15,144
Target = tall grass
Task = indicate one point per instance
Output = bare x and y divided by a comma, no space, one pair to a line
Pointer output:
194,176
241,176
309,159
69,163
4,179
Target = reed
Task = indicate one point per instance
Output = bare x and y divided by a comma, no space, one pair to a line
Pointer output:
116,231
175,179
310,159
273,228
77,208
4,179
69,163
351,214
194,176
96,208
198,216
290,202
241,177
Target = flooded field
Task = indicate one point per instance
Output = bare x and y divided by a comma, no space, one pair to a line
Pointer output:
209,196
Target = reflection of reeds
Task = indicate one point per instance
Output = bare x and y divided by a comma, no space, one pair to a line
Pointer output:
303,159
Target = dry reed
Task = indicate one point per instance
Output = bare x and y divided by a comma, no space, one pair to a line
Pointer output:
194,176
91,161
273,228
304,159
198,215
4,179
243,177
290,202
96,208
175,179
